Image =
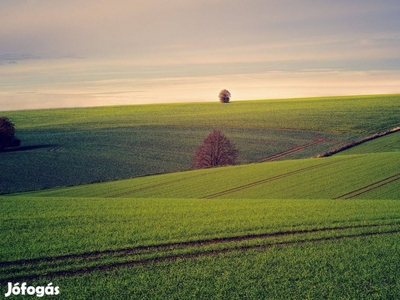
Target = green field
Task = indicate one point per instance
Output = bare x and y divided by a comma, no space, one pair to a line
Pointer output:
325,114
327,178
109,143
387,143
70,241
308,228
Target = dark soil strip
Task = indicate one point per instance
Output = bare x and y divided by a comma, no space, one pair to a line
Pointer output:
187,256
369,187
252,184
294,149
355,143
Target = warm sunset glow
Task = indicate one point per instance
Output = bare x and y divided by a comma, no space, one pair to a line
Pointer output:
74,53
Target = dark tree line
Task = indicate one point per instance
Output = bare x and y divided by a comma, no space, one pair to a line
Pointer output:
7,134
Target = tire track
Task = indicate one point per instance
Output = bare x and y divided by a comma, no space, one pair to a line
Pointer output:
150,187
294,149
369,187
277,177
41,262
186,244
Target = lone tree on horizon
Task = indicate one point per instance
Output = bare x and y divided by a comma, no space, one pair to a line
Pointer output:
224,96
7,131
216,150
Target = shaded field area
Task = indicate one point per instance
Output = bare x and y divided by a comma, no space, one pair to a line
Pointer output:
110,154
366,176
110,143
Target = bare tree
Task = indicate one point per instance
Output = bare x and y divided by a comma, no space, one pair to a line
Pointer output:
216,150
224,96
7,131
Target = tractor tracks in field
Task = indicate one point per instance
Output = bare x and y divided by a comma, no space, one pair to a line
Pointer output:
74,264
294,149
153,186
370,187
273,178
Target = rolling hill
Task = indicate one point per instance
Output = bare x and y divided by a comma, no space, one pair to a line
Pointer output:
319,228
109,143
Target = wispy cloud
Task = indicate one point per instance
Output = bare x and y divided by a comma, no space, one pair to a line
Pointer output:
150,28
140,42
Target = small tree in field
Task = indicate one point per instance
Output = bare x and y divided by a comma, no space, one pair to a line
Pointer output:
7,131
224,96
216,150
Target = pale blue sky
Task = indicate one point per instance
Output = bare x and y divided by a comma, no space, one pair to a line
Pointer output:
57,53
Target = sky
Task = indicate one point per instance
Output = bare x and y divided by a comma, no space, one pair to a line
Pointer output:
56,53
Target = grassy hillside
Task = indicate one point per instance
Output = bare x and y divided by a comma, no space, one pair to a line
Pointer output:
319,228
57,226
346,176
364,176
327,114
387,143
153,242
109,143
325,269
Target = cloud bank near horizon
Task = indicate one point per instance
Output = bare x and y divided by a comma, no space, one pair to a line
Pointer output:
202,42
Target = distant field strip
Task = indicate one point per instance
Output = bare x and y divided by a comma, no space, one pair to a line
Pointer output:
370,187
294,149
105,260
